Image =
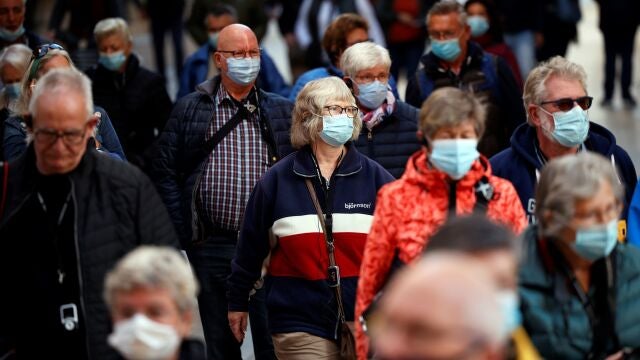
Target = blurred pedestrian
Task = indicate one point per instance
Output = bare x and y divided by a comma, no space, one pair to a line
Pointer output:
578,285
48,57
200,65
249,12
619,21
12,29
334,181
344,31
455,61
447,178
14,61
486,30
166,16
151,295
206,191
135,98
70,215
390,125
560,27
556,101
444,307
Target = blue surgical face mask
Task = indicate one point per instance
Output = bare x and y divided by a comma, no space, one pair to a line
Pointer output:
12,90
447,50
213,39
596,242
8,35
336,129
372,95
454,156
113,61
243,71
571,127
510,305
479,25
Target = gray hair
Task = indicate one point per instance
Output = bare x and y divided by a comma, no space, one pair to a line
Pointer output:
306,124
445,7
34,72
153,267
63,81
16,55
449,106
535,89
112,26
363,56
567,179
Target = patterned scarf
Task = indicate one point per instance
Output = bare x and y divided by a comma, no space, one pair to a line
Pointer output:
375,117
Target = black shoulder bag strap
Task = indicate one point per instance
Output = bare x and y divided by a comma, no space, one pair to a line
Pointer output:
333,276
484,194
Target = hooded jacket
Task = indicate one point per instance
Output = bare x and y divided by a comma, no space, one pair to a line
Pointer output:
520,165
411,209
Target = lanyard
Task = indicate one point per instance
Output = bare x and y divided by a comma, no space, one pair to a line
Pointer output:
55,230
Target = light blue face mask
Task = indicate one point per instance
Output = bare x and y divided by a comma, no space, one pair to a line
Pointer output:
479,25
510,305
596,242
243,71
213,39
112,61
336,129
12,90
372,95
447,50
8,35
454,156
571,127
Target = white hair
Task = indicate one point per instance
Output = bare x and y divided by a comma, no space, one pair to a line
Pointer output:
111,26
16,55
63,81
363,56
153,267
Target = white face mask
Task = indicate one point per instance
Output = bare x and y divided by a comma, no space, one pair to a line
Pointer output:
140,338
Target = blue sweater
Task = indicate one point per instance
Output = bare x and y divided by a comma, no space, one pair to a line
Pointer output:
196,68
298,297
519,163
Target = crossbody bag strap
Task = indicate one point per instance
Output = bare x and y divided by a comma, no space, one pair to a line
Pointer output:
333,273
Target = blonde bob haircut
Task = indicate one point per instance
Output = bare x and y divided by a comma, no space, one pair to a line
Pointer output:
153,267
306,117
112,26
450,106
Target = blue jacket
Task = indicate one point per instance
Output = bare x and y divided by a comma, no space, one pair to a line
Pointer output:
323,72
490,78
554,316
196,68
181,141
298,296
519,163
393,141
15,137
633,219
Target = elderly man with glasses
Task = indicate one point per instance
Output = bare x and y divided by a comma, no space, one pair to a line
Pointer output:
70,214
218,143
556,102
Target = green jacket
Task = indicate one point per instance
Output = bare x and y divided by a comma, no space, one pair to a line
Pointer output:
553,314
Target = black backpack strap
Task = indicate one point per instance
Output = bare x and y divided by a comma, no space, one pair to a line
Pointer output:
484,194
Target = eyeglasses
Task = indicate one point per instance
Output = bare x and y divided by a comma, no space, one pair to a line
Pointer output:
444,35
50,136
43,49
334,110
566,104
241,54
368,78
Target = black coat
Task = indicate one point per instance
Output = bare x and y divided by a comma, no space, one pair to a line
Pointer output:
137,102
116,209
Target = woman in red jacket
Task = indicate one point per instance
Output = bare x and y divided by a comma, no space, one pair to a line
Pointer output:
448,177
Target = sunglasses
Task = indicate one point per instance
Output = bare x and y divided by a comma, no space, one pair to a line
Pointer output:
42,50
566,104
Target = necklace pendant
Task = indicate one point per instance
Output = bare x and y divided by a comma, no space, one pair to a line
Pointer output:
60,276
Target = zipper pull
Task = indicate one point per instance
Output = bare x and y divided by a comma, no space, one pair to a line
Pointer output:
370,135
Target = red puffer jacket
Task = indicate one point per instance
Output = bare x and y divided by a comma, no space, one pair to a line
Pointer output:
409,210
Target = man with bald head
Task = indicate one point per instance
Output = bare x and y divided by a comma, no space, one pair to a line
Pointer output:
218,142
444,307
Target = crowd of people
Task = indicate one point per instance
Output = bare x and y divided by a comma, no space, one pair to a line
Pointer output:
479,215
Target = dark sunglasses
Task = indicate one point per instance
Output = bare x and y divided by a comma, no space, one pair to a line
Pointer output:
566,104
43,49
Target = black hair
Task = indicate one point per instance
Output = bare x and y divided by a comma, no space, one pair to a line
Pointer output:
472,234
495,21
217,10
